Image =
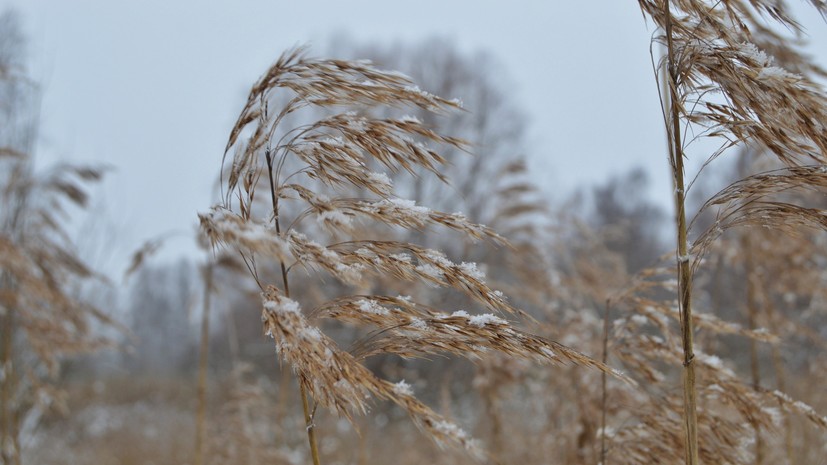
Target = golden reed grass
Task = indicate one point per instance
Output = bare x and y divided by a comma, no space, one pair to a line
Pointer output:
333,154
720,80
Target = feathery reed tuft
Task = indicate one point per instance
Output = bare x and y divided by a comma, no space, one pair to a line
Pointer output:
312,171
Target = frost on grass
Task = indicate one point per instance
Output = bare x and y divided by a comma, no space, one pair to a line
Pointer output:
224,227
282,305
771,73
408,206
419,324
403,388
470,269
371,306
430,271
486,319
797,406
381,181
410,119
335,219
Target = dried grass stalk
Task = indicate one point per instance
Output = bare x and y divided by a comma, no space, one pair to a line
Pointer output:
720,81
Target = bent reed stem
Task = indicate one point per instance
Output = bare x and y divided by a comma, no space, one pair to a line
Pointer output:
308,418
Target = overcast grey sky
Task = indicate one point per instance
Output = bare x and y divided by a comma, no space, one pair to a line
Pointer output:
152,87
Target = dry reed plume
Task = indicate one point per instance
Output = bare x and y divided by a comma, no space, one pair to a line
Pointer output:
333,155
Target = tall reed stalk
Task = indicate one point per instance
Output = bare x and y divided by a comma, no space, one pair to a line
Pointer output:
781,377
274,203
603,393
9,434
752,313
676,158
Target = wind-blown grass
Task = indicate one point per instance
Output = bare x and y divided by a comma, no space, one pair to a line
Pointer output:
723,84
331,157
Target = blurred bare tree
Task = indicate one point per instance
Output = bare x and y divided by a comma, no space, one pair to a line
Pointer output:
630,224
161,300
493,124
